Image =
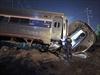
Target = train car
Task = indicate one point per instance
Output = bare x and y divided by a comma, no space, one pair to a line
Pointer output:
43,30
32,25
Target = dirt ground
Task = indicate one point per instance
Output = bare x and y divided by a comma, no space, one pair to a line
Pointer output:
32,62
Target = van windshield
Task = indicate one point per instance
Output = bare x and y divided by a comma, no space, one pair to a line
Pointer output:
77,37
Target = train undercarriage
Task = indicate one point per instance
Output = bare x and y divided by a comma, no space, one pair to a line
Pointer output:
17,43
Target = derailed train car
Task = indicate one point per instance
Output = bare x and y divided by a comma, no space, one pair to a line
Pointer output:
46,30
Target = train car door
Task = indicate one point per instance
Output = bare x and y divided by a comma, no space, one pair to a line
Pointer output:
57,28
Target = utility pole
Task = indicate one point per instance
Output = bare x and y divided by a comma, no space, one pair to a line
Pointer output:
88,14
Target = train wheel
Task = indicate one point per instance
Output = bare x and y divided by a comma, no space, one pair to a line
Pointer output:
4,48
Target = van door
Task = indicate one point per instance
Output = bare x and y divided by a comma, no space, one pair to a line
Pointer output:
57,28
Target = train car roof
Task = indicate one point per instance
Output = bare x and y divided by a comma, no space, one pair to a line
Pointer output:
28,12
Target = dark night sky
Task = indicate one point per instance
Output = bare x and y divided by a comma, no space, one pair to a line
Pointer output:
73,9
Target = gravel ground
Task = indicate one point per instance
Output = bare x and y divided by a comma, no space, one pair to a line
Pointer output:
32,62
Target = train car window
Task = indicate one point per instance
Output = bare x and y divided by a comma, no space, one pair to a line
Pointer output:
40,23
4,19
19,20
55,24
14,20
36,22
24,21
64,25
1,18
58,24
48,24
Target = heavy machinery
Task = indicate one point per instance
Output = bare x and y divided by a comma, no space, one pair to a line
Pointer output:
45,31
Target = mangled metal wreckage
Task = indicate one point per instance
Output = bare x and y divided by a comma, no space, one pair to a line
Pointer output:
45,31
